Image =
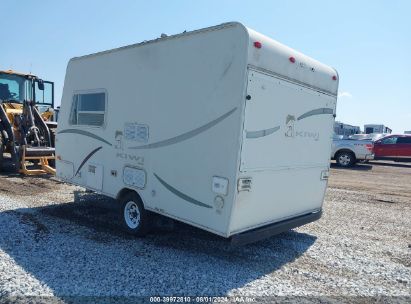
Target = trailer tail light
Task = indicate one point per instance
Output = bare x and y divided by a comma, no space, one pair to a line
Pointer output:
292,59
369,147
257,44
244,184
220,185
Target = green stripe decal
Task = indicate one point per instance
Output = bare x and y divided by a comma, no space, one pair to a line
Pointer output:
316,112
187,135
87,158
85,133
181,194
261,133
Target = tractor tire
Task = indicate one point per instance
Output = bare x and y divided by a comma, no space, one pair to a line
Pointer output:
53,132
52,163
1,150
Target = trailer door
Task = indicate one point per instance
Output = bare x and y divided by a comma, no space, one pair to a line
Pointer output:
286,125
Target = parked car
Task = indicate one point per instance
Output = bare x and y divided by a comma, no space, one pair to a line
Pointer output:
347,152
393,147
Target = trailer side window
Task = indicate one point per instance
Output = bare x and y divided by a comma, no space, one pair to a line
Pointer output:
88,109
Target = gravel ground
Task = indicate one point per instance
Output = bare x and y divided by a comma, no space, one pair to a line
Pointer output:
55,243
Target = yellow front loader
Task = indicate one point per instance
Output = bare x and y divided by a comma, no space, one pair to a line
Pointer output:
27,129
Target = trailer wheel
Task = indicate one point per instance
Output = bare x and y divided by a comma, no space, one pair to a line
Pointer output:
345,159
134,216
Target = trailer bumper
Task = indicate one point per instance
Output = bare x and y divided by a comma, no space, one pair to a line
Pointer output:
273,229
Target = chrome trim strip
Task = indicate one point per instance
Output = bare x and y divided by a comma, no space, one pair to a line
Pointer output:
187,135
181,194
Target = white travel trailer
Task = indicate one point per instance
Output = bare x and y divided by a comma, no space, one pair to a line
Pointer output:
368,129
222,128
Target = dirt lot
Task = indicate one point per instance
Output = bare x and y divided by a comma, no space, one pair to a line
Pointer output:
55,243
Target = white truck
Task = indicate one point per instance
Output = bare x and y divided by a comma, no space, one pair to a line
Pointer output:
222,128
347,152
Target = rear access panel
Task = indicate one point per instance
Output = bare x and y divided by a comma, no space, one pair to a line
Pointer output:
286,125
285,152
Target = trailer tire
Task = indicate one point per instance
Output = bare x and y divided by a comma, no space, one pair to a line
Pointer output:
52,137
134,218
345,159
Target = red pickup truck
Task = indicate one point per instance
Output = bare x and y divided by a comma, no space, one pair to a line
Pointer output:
393,147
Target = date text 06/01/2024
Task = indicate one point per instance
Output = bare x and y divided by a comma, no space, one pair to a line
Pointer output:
201,299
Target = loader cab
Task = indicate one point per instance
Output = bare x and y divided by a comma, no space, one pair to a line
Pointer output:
27,122
43,94
16,88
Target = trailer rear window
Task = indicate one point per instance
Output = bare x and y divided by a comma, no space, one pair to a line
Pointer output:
88,109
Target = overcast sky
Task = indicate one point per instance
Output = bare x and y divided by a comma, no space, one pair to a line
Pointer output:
368,42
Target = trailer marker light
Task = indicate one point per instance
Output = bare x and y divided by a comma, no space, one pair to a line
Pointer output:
220,185
292,59
325,174
218,202
244,184
257,44
334,77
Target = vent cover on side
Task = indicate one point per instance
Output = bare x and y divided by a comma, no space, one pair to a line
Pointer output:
134,177
136,132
